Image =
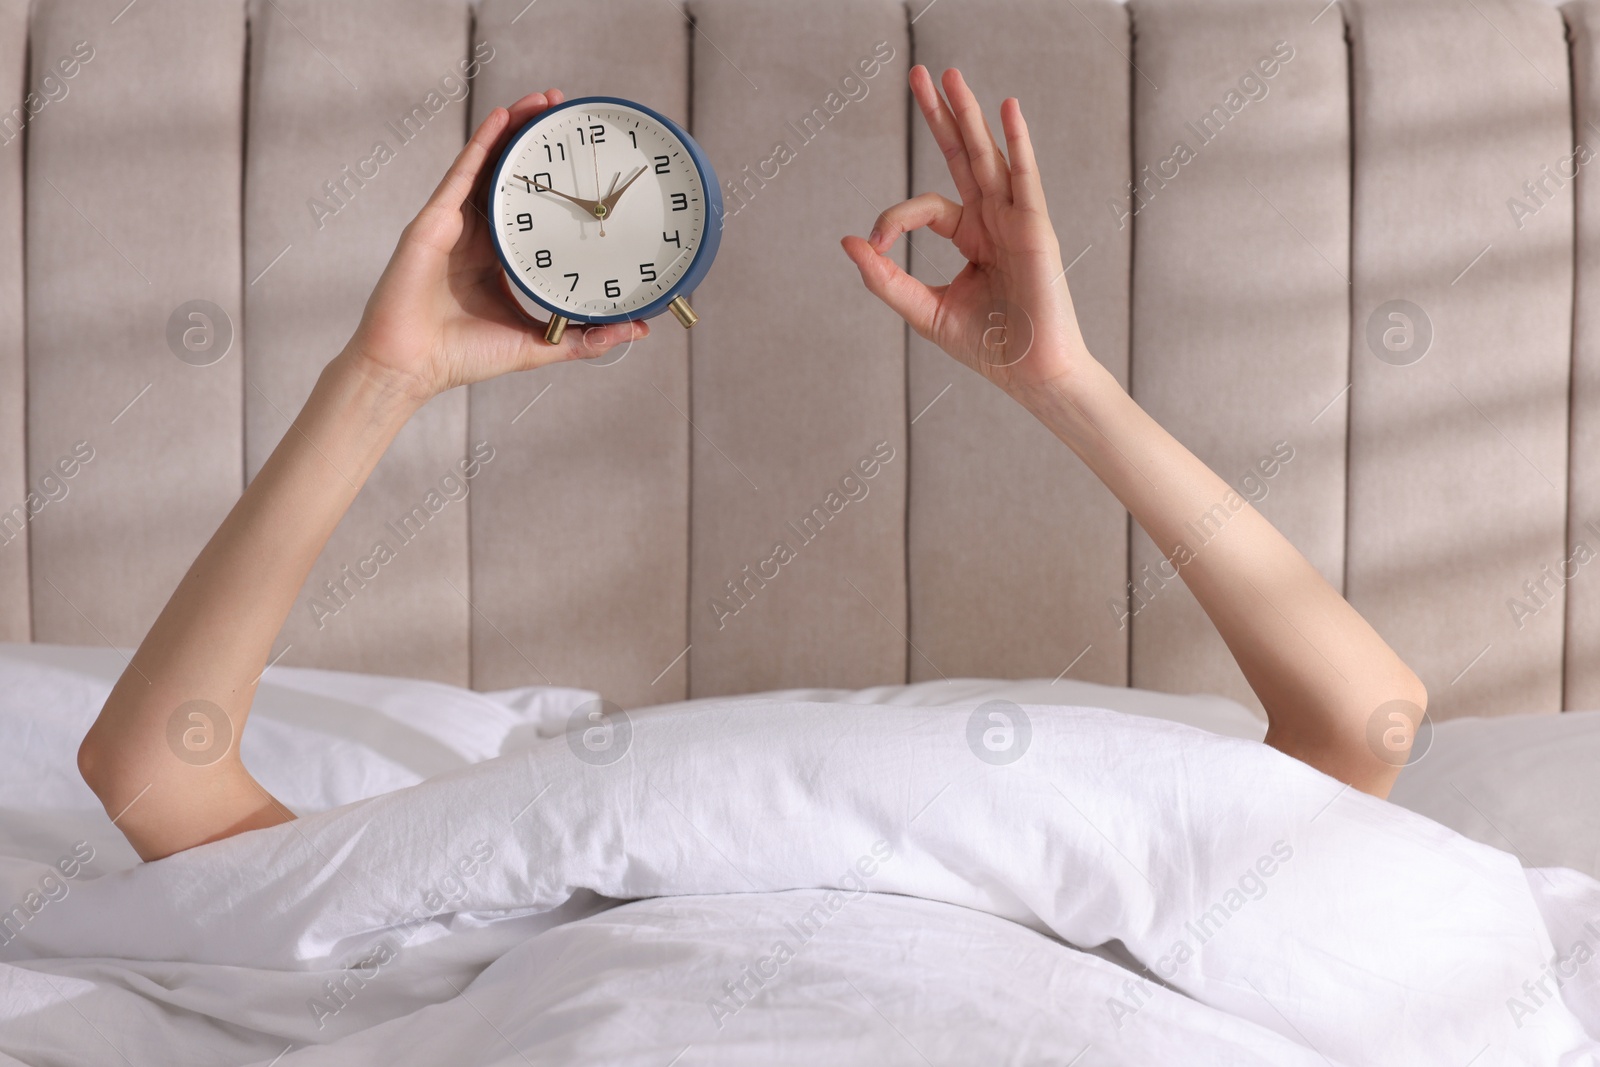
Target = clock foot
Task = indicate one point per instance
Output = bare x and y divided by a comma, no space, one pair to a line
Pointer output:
684,313
554,332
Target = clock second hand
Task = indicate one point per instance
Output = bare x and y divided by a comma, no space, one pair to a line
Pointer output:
594,151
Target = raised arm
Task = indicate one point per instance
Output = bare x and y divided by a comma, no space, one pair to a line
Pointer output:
163,756
1322,673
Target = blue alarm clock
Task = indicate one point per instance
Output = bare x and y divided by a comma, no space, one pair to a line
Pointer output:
603,210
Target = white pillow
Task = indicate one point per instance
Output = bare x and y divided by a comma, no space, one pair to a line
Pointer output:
1527,784
317,739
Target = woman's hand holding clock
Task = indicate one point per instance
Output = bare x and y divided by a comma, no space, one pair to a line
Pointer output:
438,318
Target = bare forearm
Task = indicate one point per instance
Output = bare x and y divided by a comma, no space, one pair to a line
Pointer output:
212,639
1320,669
217,629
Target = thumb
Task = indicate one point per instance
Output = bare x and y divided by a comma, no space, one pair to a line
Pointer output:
909,298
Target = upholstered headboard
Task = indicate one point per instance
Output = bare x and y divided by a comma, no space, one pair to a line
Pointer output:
1244,191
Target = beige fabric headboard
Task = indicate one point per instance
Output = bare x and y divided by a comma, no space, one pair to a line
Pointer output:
1243,190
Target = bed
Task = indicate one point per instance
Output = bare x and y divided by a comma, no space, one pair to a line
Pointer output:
800,877
978,844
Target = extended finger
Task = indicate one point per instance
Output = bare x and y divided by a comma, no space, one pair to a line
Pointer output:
988,165
942,124
939,214
907,297
531,105
458,182
521,112
1026,189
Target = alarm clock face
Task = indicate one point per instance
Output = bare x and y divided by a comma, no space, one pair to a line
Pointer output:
600,210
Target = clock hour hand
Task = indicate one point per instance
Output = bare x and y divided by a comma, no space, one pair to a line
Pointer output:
610,202
590,207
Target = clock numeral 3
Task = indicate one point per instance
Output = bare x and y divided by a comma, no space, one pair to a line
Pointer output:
673,240
647,272
680,201
574,284
663,165
613,290
542,257
524,222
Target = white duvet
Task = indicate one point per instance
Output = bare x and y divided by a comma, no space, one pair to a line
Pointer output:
783,882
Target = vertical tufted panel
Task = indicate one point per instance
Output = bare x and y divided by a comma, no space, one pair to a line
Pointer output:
1029,602
14,117
1458,461
330,81
1240,290
580,528
1582,683
798,373
133,210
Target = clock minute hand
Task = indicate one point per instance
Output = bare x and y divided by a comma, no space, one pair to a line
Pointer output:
588,206
610,202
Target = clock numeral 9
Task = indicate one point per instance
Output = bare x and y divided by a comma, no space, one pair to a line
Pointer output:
680,201
647,272
524,222
663,165
542,257
613,290
574,284
673,240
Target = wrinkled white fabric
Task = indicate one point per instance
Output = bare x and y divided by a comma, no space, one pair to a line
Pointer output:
1296,920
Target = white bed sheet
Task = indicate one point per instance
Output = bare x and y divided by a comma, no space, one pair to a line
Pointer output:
730,821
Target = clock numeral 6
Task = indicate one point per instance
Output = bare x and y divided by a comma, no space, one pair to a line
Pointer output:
524,222
680,201
542,257
663,165
574,284
647,272
613,290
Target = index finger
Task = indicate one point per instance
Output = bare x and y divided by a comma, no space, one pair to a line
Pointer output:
462,177
521,112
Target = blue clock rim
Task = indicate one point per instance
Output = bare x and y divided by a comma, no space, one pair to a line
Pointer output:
709,243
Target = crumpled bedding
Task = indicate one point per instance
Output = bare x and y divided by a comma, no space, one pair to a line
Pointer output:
791,882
